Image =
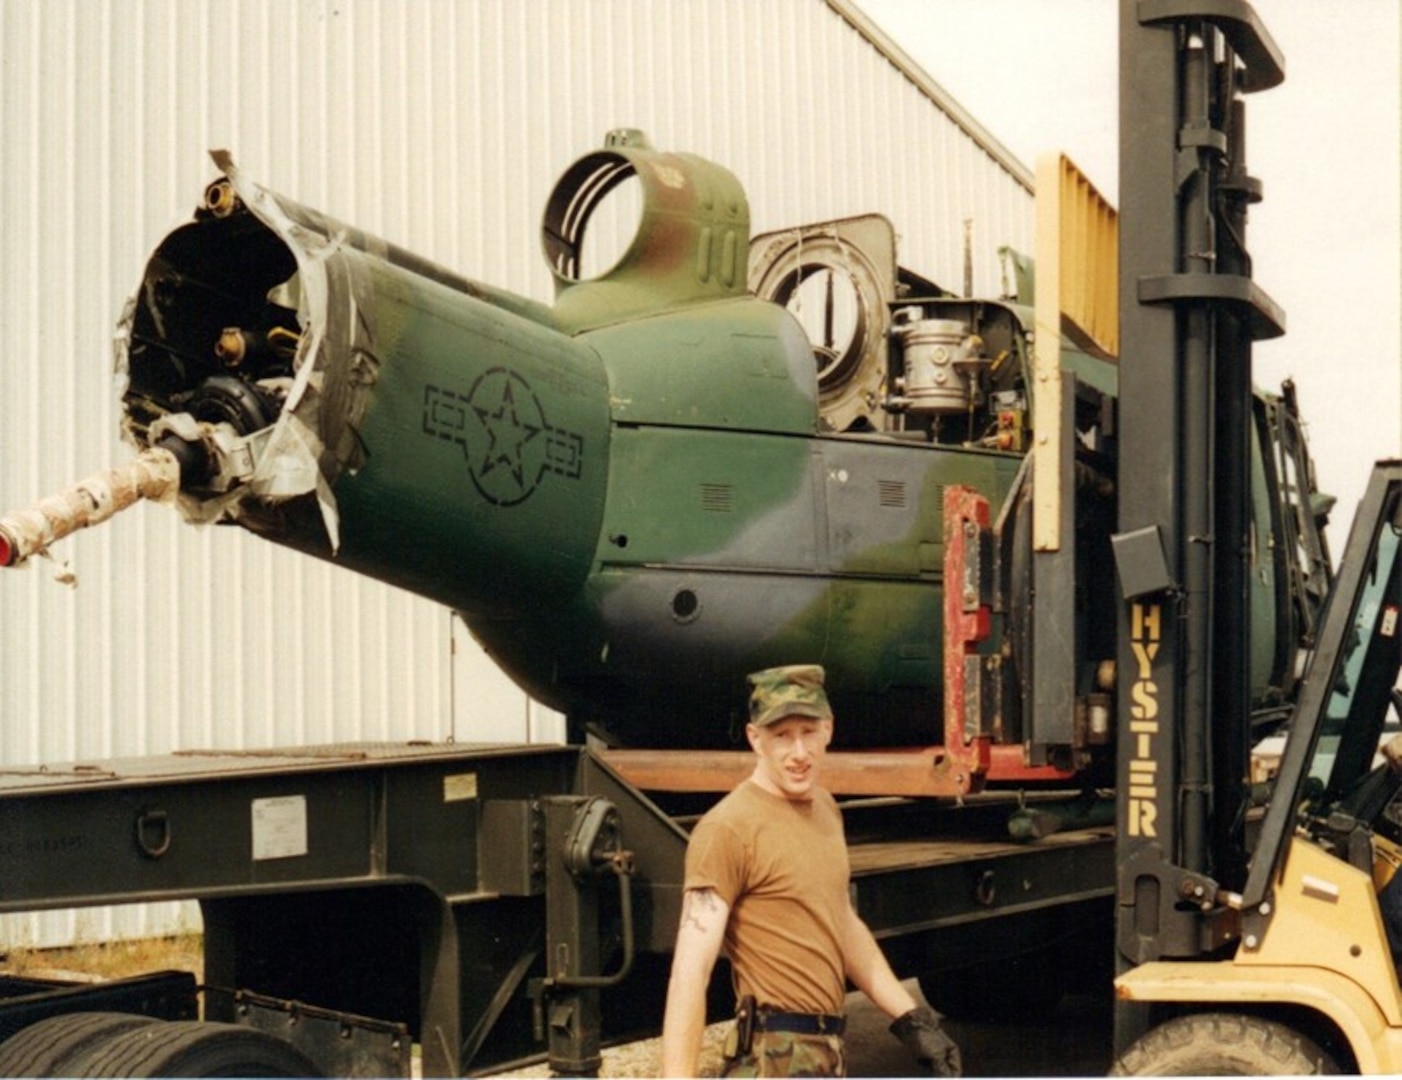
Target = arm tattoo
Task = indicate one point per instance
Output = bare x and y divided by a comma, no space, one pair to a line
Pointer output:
699,907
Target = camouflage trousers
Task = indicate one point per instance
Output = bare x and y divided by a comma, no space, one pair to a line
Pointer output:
782,1053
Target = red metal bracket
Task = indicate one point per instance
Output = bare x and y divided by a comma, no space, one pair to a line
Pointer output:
968,621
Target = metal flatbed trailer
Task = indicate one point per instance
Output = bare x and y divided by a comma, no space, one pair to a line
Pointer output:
359,898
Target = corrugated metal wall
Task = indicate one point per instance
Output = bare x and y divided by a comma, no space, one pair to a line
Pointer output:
440,126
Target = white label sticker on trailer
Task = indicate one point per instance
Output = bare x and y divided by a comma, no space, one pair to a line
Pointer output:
280,827
1389,626
460,787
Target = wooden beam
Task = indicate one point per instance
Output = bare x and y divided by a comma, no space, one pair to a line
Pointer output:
913,772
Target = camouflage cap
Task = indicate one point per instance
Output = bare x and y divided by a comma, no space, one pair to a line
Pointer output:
792,690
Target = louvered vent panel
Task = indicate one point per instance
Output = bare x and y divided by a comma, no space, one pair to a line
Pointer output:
892,493
718,498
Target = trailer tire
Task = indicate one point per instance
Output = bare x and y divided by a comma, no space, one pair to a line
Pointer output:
51,1046
1223,1044
194,1048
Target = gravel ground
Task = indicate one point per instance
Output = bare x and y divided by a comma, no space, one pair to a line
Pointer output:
644,1058
1069,1039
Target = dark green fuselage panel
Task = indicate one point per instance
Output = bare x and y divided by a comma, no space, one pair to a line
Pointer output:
630,537
725,551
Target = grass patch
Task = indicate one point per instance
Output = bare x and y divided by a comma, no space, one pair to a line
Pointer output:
111,959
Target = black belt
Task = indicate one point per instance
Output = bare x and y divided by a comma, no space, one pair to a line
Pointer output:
799,1023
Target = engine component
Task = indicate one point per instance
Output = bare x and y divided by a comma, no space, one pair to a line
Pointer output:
942,362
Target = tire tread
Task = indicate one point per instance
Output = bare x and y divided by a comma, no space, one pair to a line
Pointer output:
1223,1044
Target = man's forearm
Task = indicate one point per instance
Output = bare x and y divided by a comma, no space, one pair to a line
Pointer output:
682,1027
870,971
887,993
918,1027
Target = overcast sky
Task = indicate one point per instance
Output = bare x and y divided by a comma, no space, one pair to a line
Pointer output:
1042,75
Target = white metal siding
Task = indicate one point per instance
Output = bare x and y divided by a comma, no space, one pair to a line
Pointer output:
441,126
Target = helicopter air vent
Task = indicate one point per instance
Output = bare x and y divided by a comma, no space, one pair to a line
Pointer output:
892,493
718,498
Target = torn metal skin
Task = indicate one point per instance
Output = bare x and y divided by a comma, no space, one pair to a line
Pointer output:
311,438
253,348
349,399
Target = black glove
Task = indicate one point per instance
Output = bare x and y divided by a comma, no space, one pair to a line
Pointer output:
920,1032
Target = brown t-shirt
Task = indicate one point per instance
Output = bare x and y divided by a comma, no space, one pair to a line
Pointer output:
781,865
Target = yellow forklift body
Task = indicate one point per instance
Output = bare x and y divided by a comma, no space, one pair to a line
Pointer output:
1325,949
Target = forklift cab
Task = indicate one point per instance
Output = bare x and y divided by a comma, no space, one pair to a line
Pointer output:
1350,800
1305,978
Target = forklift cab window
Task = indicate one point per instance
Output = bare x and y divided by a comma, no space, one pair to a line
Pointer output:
1363,693
1356,771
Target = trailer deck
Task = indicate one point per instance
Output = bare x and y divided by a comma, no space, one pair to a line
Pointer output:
406,883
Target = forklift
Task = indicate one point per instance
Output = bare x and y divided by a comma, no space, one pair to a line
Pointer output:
1252,922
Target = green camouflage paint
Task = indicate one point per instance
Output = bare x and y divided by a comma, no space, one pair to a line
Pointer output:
632,496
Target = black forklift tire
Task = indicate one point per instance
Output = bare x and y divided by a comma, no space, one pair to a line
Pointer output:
50,1046
194,1048
1223,1044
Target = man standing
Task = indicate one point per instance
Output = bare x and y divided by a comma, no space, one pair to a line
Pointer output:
767,880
